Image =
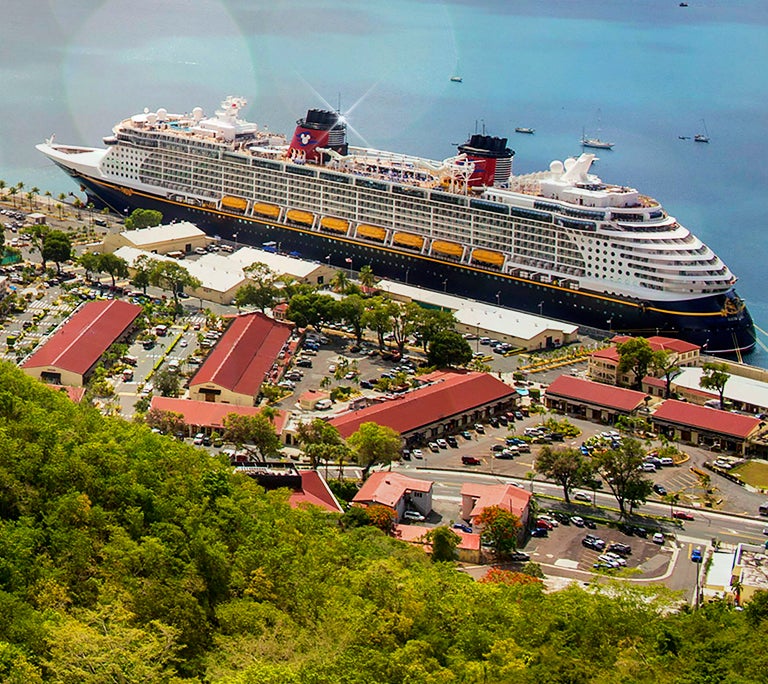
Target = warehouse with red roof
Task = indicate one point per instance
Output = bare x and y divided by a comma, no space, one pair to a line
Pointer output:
592,400
706,426
447,402
71,354
241,360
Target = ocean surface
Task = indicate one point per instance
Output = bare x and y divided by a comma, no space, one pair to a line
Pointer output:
640,73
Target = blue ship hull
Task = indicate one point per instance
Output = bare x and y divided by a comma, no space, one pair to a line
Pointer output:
720,324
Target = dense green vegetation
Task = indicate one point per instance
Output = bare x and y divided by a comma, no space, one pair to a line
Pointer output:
126,556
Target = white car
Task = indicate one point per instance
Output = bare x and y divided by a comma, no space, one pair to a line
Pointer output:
442,443
198,439
413,516
417,453
582,496
658,538
183,343
617,558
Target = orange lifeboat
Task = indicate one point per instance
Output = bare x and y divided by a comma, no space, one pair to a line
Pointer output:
335,225
488,256
371,232
408,240
298,216
446,248
271,210
237,203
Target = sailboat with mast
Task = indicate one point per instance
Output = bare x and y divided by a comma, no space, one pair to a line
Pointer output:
702,137
596,142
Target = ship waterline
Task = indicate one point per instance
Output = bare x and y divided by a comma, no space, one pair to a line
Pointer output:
560,242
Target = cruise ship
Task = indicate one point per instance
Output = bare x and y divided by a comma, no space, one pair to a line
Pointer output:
561,242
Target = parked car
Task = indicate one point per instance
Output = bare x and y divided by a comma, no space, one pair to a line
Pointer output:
470,460
696,555
577,520
434,448
479,428
661,490
658,538
620,548
539,532
452,441
466,434
544,524
462,526
519,557
667,461
442,443
417,453
682,515
594,543
413,516
198,438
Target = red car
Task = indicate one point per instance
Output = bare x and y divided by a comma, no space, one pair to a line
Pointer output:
682,515
470,460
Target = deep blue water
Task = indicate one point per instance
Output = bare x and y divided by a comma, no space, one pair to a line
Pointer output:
641,73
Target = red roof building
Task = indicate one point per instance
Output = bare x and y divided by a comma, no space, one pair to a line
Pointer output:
396,491
477,497
209,416
70,355
467,551
448,401
592,400
604,363
307,487
241,360
707,426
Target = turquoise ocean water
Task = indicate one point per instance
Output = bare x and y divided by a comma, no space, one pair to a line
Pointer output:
637,72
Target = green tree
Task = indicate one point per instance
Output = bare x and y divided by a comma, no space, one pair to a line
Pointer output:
167,382
90,262
254,433
168,422
261,291
373,444
500,528
664,363
57,247
172,276
636,355
112,265
36,236
567,466
321,442
351,310
620,468
444,543
378,317
142,270
714,378
430,322
367,278
143,218
448,348
313,309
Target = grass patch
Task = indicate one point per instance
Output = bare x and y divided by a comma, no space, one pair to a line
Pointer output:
753,473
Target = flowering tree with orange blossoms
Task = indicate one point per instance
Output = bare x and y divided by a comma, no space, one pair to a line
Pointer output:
499,576
382,517
500,528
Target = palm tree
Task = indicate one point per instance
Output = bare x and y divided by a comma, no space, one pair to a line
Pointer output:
12,192
340,282
2,187
49,196
367,278
33,193
736,586
62,199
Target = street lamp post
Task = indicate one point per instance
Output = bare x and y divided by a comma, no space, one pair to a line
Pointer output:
349,261
407,271
610,324
328,260
498,298
234,237
541,308
445,285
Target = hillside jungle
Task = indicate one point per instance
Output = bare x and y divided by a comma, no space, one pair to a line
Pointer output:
126,556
